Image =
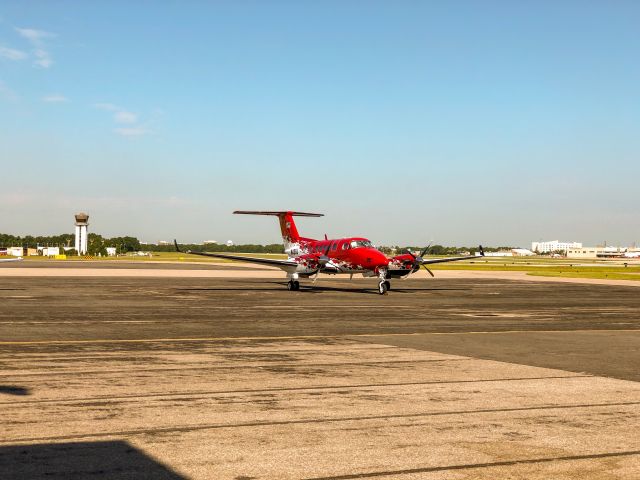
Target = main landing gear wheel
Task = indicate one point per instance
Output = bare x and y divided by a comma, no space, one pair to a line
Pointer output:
293,285
388,283
383,287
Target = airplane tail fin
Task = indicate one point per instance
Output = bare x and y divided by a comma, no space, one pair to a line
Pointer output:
288,227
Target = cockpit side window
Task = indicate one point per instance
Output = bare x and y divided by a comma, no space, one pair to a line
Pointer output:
361,243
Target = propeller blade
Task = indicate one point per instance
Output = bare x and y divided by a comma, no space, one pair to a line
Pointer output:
430,272
424,252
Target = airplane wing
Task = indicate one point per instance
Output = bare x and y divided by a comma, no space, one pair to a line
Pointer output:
454,259
11,259
284,264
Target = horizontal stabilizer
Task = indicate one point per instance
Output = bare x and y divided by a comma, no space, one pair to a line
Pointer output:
262,212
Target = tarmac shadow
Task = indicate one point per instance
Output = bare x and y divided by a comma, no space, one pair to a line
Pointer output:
108,460
14,390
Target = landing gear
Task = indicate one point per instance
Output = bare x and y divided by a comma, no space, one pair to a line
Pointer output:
384,284
293,285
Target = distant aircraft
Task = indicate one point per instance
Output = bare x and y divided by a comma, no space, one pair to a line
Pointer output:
354,255
631,255
10,259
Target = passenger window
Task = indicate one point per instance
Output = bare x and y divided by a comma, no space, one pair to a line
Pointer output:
334,246
345,246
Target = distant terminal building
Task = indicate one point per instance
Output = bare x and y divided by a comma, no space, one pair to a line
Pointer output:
553,246
598,252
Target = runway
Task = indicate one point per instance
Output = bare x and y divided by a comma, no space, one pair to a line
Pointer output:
237,378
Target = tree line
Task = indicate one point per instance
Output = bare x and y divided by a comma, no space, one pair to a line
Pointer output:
96,244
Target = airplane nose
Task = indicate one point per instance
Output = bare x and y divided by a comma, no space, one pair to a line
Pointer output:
380,259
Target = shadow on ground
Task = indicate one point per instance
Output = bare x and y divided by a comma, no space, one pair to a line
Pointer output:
81,460
14,390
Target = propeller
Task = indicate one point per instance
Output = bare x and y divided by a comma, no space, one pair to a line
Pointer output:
323,259
418,260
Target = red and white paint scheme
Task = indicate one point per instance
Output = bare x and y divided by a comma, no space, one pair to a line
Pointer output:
309,257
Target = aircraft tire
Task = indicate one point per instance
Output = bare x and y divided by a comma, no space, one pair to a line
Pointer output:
296,285
388,284
382,288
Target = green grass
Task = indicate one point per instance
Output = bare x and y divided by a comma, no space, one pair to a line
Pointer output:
603,275
568,268
163,257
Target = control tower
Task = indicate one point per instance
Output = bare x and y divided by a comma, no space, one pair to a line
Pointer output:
82,222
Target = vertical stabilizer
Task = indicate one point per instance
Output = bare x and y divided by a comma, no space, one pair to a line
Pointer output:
290,235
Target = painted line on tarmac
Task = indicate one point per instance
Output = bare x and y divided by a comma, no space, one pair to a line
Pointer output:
302,337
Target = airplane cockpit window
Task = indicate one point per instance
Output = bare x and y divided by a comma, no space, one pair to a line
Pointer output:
361,243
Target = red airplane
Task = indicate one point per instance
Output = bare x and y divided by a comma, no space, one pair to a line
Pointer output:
309,257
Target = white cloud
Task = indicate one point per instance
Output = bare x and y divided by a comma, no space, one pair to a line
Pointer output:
33,35
12,53
137,131
55,98
37,39
125,117
43,59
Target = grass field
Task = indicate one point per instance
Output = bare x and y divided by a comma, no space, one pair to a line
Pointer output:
551,267
159,257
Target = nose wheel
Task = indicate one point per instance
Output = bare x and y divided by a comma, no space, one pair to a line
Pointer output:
384,286
293,285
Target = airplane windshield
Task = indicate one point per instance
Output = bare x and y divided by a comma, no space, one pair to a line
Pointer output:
361,243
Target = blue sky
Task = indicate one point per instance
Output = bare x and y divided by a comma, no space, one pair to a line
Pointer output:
458,122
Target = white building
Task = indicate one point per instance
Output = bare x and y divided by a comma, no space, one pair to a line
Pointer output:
597,252
50,251
553,245
15,251
111,251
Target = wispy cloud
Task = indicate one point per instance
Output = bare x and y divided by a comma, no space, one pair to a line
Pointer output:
38,38
125,117
55,98
12,54
132,131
